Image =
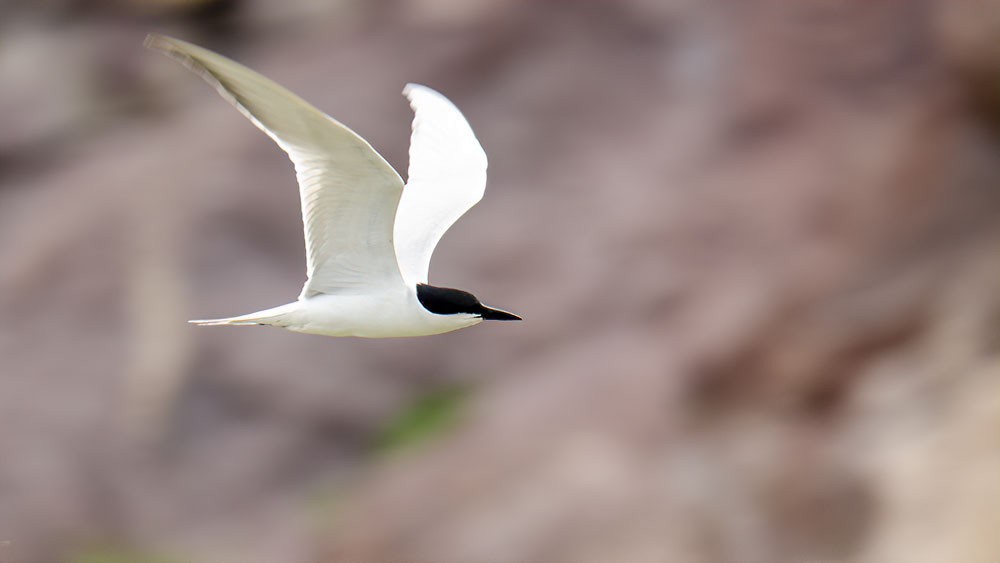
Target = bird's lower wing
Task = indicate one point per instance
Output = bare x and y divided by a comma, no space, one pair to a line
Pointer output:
349,192
447,177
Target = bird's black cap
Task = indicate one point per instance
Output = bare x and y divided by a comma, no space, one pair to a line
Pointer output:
448,301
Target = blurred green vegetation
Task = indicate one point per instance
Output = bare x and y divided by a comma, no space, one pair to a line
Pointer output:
428,417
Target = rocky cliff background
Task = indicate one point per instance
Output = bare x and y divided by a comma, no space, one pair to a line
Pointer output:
756,245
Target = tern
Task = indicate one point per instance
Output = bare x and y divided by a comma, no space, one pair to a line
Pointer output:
369,238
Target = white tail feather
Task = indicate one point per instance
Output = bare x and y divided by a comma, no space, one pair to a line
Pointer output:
277,316
221,322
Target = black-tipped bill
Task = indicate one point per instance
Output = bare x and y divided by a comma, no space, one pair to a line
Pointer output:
497,315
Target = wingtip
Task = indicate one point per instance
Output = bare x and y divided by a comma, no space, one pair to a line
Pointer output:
171,47
157,42
412,88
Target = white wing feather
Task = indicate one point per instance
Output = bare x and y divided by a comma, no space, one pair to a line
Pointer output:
447,177
349,192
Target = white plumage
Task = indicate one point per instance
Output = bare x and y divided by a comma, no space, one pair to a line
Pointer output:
447,176
369,239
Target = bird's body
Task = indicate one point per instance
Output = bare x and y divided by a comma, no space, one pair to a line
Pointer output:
385,314
369,238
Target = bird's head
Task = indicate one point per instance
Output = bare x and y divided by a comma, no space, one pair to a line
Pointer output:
448,301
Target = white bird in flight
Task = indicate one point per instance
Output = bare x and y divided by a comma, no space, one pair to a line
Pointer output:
369,238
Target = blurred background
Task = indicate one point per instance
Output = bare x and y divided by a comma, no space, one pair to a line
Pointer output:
755,243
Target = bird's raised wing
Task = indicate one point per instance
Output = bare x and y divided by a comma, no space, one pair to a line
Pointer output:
349,192
447,177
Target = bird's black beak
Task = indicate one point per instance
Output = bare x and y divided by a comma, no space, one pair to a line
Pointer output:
489,314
